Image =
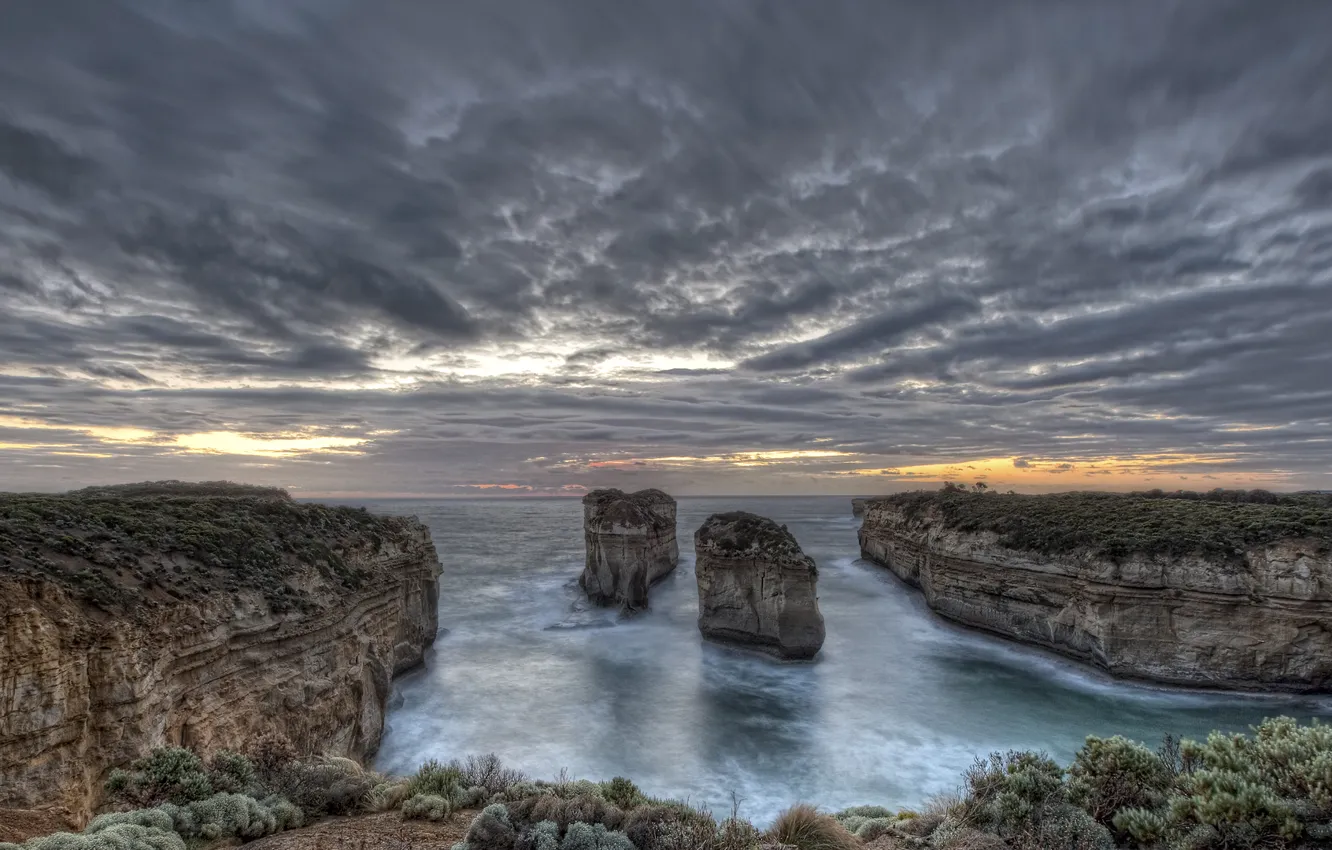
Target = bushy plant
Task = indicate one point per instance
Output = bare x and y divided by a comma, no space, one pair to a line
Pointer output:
490,830
426,807
1112,774
622,792
542,835
805,827
231,772
488,772
387,796
437,779
322,788
586,836
167,774
1268,789
121,836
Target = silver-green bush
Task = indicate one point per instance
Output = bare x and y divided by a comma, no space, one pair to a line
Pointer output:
586,836
426,807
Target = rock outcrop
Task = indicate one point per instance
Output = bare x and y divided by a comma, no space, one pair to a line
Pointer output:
1252,615
630,544
756,588
858,507
130,622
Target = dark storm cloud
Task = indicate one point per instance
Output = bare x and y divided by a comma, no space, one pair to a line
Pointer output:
1034,229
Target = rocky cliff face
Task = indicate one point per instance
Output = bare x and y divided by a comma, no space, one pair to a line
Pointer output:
204,621
756,587
858,507
1253,617
630,544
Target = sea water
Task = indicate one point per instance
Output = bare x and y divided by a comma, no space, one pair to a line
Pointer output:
894,708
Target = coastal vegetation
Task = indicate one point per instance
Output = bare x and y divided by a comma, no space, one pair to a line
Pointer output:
128,547
1271,788
1218,523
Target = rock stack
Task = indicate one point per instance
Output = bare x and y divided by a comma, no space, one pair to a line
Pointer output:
858,507
756,588
630,544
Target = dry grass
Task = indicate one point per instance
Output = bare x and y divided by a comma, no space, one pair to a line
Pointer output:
805,827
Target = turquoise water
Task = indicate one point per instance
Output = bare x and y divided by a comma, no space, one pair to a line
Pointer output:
895,707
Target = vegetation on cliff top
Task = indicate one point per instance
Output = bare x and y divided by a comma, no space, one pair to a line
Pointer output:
1216,523
1270,789
136,545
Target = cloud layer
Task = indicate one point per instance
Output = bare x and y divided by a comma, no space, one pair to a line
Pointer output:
401,247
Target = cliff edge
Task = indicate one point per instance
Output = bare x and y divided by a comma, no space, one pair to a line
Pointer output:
197,615
1222,590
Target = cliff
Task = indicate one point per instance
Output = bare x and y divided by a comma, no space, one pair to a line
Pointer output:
196,616
631,543
1185,591
858,507
756,587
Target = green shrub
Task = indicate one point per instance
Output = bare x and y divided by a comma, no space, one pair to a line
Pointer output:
231,772
622,793
167,774
426,807
490,830
585,836
1270,788
1013,791
437,779
122,836
1112,774
805,827
543,835
871,828
386,796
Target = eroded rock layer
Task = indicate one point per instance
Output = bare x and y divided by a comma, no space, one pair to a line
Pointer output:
631,543
126,627
756,587
1253,617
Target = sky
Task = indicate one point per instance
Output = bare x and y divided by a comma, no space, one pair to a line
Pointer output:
388,248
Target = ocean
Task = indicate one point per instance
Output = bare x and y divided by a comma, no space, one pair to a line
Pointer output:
896,706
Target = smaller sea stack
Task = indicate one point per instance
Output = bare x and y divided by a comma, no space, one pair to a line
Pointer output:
630,544
756,588
858,507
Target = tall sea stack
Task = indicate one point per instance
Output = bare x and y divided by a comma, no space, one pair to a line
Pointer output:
630,544
756,588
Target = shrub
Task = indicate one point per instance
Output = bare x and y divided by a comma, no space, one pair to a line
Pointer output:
865,812
543,835
1111,774
436,779
171,774
271,753
386,796
426,807
1268,789
488,772
322,788
871,828
805,827
584,836
123,836
622,793
231,772
1010,792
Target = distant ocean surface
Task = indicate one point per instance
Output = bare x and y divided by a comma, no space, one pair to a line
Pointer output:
894,709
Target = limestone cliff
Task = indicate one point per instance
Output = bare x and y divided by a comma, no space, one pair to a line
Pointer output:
630,544
1202,594
858,507
196,617
756,587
